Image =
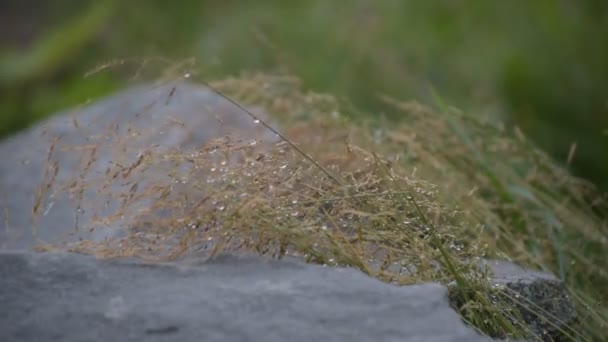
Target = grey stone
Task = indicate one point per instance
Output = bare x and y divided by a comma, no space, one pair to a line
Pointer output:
541,299
45,297
70,297
166,117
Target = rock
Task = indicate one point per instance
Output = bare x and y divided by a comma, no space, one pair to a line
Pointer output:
71,297
173,116
539,300
535,293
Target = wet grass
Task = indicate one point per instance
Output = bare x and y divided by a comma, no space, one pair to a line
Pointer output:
422,200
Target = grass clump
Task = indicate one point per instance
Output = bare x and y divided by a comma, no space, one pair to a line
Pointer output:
423,200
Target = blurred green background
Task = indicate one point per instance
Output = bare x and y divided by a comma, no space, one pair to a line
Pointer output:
540,65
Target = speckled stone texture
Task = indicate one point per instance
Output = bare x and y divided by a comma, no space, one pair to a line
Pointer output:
531,293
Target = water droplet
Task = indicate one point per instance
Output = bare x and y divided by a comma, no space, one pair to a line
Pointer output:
48,208
256,121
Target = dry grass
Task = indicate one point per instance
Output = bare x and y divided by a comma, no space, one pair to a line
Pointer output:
416,201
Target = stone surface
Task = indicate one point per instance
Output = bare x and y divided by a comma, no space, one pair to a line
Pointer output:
70,297
171,116
531,293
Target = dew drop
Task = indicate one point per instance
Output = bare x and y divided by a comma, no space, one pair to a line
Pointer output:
48,208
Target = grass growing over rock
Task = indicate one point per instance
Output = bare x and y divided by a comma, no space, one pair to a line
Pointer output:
422,200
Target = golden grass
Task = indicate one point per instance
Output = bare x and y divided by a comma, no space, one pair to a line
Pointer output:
413,201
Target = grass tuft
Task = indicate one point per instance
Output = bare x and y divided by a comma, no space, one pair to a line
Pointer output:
421,200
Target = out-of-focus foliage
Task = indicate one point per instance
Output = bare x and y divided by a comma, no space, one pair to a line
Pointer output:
537,64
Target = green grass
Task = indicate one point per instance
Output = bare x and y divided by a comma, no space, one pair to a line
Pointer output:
538,65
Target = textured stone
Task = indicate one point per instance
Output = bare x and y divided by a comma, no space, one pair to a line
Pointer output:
541,299
70,297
